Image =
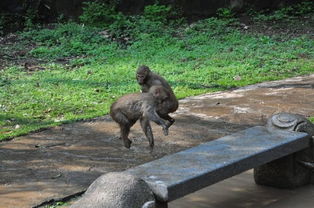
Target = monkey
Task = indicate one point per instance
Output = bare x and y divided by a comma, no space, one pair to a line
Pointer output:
146,79
139,106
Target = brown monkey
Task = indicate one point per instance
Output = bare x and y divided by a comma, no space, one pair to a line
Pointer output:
131,107
146,79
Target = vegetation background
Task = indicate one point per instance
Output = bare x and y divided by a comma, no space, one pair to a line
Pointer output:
72,70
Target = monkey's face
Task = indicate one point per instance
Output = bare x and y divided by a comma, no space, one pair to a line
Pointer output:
141,77
142,74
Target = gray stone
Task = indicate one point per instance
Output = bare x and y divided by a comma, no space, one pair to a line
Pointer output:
291,122
291,171
184,172
116,190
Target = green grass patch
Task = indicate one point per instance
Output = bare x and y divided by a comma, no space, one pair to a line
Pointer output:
205,56
56,205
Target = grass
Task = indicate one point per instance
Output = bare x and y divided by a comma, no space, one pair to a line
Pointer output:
83,69
56,205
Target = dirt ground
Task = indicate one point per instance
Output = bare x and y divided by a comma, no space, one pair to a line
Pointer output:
64,160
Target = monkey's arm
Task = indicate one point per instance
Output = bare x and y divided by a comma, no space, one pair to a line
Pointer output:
152,115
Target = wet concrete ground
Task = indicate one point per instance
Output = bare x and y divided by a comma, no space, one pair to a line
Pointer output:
64,160
241,192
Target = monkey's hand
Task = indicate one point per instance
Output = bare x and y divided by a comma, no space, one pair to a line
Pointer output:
170,122
165,130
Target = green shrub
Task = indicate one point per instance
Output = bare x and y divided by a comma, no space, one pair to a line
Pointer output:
157,13
225,13
304,8
30,19
99,14
287,13
69,39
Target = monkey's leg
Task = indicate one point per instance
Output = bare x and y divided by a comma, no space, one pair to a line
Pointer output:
125,125
125,130
148,131
153,116
164,109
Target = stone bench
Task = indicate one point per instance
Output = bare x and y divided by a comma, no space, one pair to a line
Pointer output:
179,174
280,158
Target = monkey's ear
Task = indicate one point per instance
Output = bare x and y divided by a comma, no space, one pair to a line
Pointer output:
157,92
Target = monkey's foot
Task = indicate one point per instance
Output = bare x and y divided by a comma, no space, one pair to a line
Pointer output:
127,143
165,130
151,147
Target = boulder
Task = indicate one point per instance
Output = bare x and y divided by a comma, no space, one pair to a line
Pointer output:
117,190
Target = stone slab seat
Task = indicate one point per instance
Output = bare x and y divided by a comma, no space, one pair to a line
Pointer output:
187,171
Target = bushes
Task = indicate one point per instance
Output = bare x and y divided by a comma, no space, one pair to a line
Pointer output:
127,29
99,14
287,13
157,13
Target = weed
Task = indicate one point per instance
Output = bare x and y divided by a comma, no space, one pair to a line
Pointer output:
99,14
157,13
65,40
225,13
304,8
287,13
30,19
56,205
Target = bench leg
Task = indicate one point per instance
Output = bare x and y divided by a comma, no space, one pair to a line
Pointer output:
160,204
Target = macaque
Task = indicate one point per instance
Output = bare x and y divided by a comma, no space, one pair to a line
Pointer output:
139,106
146,79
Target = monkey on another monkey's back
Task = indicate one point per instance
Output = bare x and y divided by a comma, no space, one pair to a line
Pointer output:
146,79
132,107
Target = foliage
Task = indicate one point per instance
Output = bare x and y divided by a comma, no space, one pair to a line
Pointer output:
304,8
98,65
2,24
99,14
225,13
30,19
127,29
65,40
157,13
9,22
56,205
287,13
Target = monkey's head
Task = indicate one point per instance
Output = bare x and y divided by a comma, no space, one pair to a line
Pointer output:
142,74
159,93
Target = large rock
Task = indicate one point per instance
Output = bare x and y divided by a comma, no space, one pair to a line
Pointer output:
116,190
293,170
